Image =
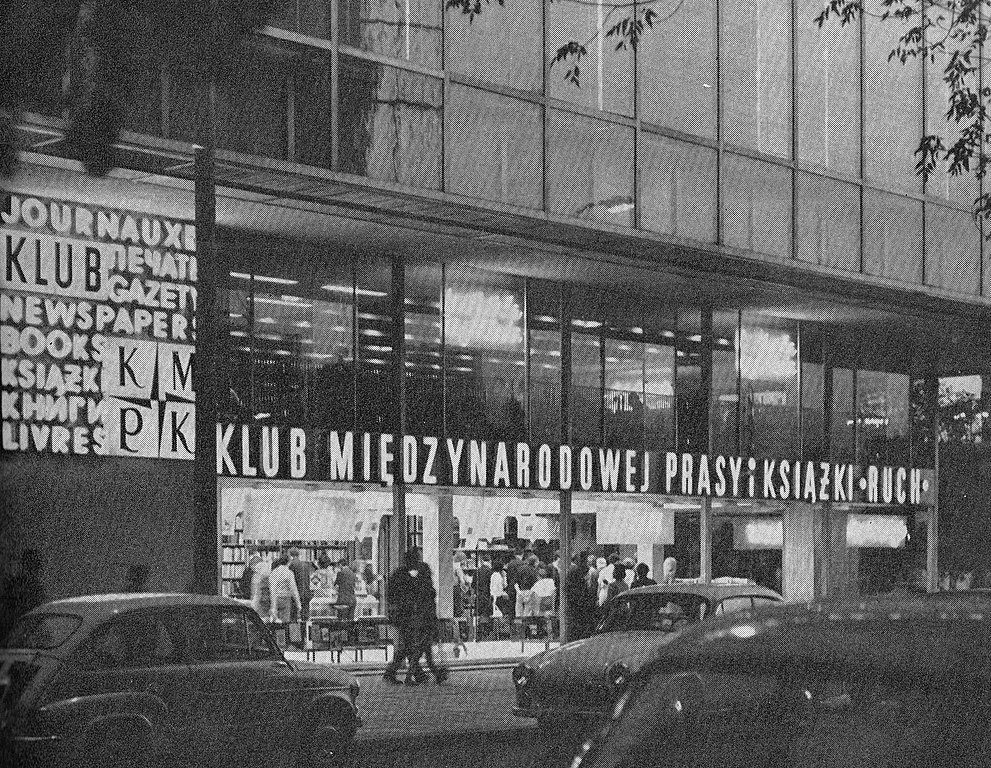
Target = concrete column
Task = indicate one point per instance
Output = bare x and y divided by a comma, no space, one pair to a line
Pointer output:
705,541
798,555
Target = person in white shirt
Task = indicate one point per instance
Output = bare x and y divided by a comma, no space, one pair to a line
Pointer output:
497,586
542,594
605,578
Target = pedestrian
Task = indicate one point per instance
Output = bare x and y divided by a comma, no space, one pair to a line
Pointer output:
425,615
606,577
642,580
22,591
302,571
261,589
670,572
526,577
500,597
512,571
460,586
345,584
285,594
618,583
542,594
413,612
630,565
247,577
577,599
483,597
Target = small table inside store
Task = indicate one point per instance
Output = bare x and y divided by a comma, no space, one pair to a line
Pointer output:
329,633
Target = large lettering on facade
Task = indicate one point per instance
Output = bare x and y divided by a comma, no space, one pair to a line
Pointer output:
270,452
96,330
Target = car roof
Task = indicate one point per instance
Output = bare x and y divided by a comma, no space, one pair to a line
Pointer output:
904,636
95,607
709,591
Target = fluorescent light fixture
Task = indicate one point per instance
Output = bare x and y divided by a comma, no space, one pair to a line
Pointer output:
269,336
620,208
545,319
586,323
463,369
372,332
304,324
262,415
238,333
235,314
667,334
283,352
264,278
371,316
266,320
285,301
374,361
377,348
636,329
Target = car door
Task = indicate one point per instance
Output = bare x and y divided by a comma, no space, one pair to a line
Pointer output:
242,684
139,652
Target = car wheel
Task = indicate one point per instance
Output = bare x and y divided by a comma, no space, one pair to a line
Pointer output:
326,746
122,747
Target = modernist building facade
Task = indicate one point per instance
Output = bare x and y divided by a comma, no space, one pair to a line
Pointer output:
698,305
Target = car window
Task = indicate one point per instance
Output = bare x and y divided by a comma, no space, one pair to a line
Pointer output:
137,639
42,631
222,633
662,611
734,604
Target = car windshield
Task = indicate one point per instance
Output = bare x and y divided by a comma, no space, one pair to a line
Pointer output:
812,718
42,631
664,611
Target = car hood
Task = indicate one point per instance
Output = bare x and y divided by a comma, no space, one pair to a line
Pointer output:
589,659
322,675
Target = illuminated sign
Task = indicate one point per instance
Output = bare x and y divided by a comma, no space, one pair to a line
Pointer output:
258,451
479,320
96,330
877,531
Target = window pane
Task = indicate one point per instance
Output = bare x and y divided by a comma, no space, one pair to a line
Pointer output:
544,309
591,169
953,249
376,359
828,222
485,354
494,147
677,188
410,31
390,124
813,395
882,417
311,109
892,107
692,399
892,236
253,101
586,389
658,399
769,386
424,380
623,395
756,206
725,389
605,78
841,430
827,91
756,75
676,70
501,45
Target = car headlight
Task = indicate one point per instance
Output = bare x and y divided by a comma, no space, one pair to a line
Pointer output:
618,676
522,674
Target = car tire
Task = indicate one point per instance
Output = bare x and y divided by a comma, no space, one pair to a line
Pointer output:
326,746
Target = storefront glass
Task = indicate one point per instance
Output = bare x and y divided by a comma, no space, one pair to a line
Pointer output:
747,542
544,331
769,400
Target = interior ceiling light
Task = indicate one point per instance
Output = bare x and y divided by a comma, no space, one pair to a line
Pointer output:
238,333
586,323
377,348
667,334
372,332
264,278
545,319
285,301
303,324
374,361
358,291
283,352
269,336
235,315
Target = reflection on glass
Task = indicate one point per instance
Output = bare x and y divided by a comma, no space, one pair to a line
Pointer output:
410,31
756,205
692,397
502,46
892,236
586,388
658,396
842,418
375,377
676,69
725,389
746,545
485,354
605,78
253,101
494,150
813,394
311,109
769,386
882,417
591,169
827,222
390,124
544,321
953,249
756,75
623,396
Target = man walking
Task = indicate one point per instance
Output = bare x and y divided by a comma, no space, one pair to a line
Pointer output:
302,570
413,612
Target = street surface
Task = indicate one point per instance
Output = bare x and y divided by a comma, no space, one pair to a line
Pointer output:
465,723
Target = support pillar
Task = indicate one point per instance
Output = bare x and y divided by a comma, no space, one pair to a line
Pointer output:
798,553
705,541
445,555
566,548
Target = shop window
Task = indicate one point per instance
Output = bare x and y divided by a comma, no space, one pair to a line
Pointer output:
375,379
424,359
755,69
691,392
409,31
882,417
725,382
605,78
590,169
623,419
768,386
677,188
827,91
501,46
544,329
390,124
494,147
311,109
813,392
747,543
485,352
842,417
586,386
676,70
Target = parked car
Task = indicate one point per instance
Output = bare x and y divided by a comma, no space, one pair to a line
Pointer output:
904,682
581,680
127,680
